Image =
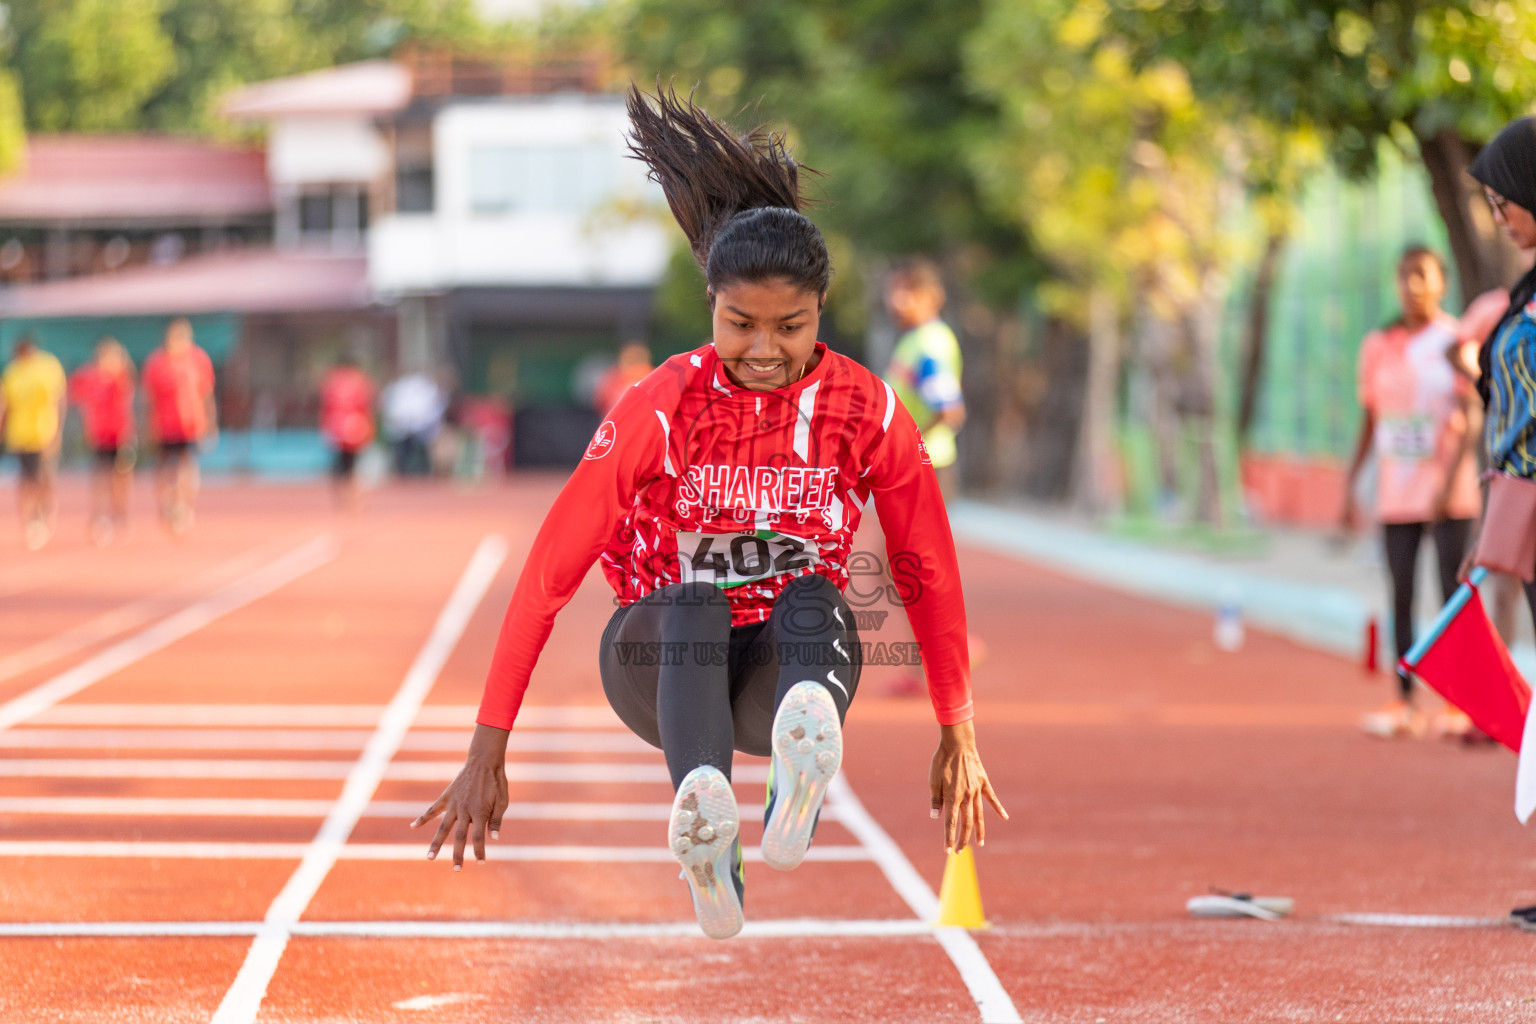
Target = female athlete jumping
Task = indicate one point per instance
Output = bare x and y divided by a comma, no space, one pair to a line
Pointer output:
721,496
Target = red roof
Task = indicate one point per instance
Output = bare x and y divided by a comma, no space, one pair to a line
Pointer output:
241,281
134,178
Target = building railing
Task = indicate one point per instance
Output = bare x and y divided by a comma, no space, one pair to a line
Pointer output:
440,73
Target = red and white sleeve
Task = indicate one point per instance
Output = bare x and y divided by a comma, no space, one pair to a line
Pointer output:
923,565
627,450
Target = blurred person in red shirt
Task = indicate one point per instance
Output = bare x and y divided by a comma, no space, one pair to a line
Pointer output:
634,366
346,420
178,381
103,390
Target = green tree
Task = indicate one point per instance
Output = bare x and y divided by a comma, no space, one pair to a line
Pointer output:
1436,79
88,65
874,94
161,65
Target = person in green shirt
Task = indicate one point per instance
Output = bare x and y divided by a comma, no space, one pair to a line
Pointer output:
924,371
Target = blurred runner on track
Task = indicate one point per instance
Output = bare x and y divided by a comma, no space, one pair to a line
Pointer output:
102,390
32,392
178,382
633,366
721,496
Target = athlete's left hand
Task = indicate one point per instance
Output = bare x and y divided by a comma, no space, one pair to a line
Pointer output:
475,800
958,784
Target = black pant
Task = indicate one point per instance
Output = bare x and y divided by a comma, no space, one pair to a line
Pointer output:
683,679
1402,543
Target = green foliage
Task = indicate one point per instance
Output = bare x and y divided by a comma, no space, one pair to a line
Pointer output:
874,95
1358,72
89,65
161,65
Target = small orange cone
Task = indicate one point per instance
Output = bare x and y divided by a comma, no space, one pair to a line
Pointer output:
960,894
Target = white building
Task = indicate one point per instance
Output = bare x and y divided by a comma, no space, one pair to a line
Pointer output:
496,206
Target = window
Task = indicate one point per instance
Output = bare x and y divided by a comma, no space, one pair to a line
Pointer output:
315,212
539,179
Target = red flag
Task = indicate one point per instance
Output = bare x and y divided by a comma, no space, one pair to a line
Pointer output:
1469,666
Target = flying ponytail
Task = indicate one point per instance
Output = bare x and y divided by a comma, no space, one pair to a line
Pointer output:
737,198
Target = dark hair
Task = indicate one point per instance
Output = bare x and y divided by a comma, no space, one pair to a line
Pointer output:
1419,252
737,198
918,272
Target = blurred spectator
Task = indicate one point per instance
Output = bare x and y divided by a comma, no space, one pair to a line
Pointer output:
633,366
103,390
925,368
412,407
178,382
32,406
1415,415
346,420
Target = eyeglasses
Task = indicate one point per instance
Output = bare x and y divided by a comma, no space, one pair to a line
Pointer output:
1495,201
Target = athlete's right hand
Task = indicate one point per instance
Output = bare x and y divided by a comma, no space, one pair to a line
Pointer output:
474,800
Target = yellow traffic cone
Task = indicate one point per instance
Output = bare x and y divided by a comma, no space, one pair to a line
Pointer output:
960,894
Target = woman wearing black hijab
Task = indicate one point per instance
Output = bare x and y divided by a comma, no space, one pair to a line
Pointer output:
1506,168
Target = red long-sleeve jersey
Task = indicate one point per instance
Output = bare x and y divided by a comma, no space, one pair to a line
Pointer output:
693,477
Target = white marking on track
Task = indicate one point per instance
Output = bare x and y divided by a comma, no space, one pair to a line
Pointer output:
433,1002
127,616
243,1000
263,581
1420,920
262,807
789,928
407,771
316,715
991,998
180,850
309,739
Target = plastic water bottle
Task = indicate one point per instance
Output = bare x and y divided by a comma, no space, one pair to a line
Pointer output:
1229,632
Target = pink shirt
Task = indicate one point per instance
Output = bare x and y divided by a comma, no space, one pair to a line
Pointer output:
1408,383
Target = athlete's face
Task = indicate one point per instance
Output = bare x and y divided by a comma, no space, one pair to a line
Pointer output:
765,331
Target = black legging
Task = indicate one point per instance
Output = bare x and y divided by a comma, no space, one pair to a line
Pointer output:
1402,543
682,678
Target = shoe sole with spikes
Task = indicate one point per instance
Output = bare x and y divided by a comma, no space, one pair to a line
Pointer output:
702,833
807,751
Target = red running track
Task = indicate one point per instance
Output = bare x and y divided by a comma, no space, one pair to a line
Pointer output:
162,792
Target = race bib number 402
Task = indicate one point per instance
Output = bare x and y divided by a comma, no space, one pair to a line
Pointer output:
731,559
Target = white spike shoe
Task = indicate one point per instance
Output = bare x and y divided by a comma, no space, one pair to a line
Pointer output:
702,834
807,751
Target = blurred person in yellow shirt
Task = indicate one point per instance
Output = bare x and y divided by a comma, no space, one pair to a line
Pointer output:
32,393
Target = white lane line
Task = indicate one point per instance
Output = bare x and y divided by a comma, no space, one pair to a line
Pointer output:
1420,920
243,1000
791,928
168,630
431,716
309,739
991,998
262,807
137,768
141,849
124,617
405,771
